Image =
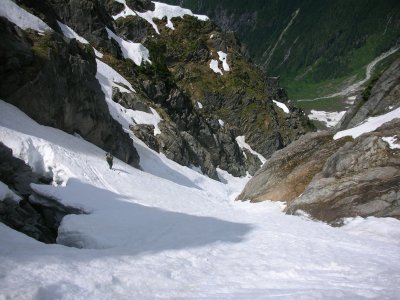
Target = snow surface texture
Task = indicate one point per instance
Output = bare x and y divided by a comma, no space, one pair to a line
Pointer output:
214,66
21,17
161,10
71,34
330,119
282,106
5,192
223,57
369,125
241,140
134,51
181,236
109,78
393,141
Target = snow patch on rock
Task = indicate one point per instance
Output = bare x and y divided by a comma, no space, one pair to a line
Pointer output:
282,106
71,34
109,78
134,51
393,141
214,66
21,17
223,57
241,140
161,10
368,125
330,119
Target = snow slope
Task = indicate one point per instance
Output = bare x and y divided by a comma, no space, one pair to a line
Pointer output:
161,10
180,236
21,17
368,125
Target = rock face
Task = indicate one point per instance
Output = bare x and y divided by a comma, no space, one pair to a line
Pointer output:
52,79
361,179
334,179
58,88
22,216
289,171
381,93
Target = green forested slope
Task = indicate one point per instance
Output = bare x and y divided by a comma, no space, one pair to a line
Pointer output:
326,44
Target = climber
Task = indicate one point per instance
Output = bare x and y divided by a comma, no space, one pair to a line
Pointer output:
109,159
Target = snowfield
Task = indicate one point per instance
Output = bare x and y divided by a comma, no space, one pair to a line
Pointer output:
169,232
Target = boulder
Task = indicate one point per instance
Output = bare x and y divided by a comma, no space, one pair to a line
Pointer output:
289,171
361,179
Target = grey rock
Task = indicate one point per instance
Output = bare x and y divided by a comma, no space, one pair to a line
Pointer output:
134,28
22,216
140,5
360,179
376,99
59,89
146,134
289,171
130,100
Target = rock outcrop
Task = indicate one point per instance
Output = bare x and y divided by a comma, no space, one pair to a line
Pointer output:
381,94
331,179
58,75
361,179
53,81
289,171
22,215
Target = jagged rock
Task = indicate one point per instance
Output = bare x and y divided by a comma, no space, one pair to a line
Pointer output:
140,5
178,76
129,100
289,171
145,132
89,19
113,7
59,88
21,215
16,174
360,179
134,29
378,96
252,162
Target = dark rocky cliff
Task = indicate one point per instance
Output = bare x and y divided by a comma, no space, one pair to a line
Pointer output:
52,79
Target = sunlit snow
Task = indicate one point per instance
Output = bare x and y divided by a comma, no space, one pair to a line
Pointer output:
161,10
180,236
369,125
214,66
330,119
241,140
21,17
223,57
109,78
282,106
134,51
393,141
